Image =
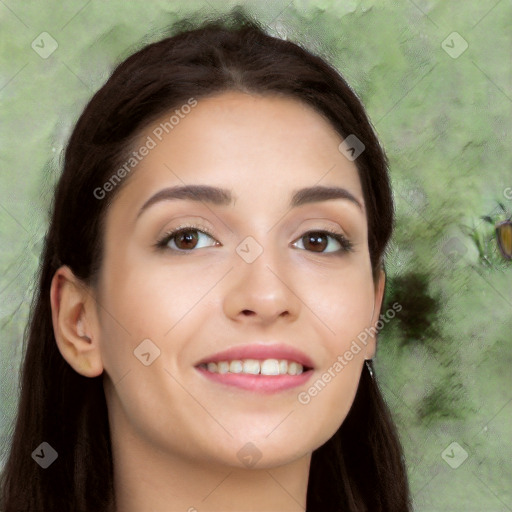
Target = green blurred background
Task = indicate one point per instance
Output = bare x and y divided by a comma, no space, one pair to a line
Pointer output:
435,77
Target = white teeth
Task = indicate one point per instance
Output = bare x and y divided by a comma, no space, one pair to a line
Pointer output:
235,367
223,367
255,367
294,368
251,366
270,367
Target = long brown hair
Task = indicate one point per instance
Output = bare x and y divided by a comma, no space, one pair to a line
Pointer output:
361,467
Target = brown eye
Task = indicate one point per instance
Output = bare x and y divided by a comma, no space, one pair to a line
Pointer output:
315,241
319,241
186,239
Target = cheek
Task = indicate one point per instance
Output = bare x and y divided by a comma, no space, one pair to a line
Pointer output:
343,302
140,303
149,302
325,403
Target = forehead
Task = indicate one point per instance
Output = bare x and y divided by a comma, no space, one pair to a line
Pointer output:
256,146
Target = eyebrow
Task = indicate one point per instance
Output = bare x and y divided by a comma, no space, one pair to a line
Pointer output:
223,197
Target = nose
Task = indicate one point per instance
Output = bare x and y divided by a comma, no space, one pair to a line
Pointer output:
261,291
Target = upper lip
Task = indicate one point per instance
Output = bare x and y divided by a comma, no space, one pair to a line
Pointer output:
260,351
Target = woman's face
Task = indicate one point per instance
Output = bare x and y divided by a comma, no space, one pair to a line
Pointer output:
263,277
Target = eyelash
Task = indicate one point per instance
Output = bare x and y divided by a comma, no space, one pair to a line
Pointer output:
346,244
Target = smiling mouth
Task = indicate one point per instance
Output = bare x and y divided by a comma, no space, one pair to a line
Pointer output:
266,367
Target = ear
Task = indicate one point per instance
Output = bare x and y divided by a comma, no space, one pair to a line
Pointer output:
74,317
371,346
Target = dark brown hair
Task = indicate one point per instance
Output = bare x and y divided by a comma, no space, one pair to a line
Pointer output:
361,467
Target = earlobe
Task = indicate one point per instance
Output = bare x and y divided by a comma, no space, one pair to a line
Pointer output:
74,323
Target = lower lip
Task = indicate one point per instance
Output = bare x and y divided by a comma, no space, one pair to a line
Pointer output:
258,383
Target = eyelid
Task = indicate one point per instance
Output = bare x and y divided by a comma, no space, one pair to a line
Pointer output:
185,226
188,223
346,244
192,226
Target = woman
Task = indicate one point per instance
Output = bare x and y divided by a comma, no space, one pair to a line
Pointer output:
212,277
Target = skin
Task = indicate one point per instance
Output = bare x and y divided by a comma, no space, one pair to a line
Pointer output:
175,434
